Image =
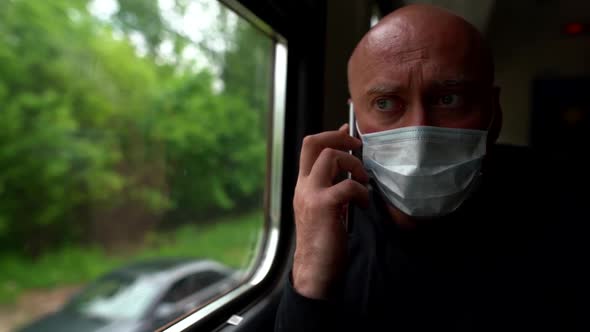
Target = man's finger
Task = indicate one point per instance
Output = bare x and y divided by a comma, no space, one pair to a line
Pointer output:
332,162
347,191
314,144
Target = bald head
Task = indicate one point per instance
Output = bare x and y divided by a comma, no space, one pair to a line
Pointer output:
422,65
420,31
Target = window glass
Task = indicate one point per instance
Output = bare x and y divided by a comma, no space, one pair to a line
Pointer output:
133,153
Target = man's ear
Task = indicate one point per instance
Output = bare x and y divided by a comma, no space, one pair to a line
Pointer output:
496,125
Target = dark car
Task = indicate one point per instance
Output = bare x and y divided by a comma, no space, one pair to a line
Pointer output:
140,297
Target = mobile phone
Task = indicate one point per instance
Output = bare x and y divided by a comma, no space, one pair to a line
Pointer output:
352,131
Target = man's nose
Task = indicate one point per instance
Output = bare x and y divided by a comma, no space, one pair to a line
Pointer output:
416,115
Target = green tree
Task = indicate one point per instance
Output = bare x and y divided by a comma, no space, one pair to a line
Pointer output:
98,142
247,68
216,159
70,104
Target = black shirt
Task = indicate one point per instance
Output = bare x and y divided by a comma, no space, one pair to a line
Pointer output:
511,258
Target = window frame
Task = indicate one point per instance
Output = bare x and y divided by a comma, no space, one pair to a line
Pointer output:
260,267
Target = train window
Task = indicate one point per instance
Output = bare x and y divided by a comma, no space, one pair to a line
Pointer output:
140,154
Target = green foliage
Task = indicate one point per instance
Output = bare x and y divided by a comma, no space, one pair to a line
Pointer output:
231,240
142,16
228,241
210,139
88,124
67,266
257,67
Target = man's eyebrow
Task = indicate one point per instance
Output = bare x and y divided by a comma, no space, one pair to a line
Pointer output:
380,89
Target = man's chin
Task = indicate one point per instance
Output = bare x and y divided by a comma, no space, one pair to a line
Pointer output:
401,219
406,221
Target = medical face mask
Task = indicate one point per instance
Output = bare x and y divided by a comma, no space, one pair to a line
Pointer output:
425,171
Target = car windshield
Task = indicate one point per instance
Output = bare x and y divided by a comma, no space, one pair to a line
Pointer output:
116,297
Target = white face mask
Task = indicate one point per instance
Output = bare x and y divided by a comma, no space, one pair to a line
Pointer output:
425,171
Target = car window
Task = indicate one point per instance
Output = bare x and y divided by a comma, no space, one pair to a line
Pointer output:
192,284
135,136
179,291
207,278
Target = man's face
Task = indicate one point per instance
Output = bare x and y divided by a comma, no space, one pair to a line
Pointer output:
407,74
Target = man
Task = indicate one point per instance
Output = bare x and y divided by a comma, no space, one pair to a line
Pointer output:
444,236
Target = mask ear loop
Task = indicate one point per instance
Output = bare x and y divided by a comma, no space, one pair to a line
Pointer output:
358,129
356,123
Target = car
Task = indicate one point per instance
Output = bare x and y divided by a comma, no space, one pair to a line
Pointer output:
140,297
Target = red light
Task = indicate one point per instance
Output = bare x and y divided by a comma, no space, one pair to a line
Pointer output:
574,28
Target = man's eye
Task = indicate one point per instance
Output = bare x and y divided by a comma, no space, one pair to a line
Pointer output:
387,104
449,101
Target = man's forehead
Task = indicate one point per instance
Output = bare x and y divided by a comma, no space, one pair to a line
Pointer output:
395,44
401,67
398,67
392,86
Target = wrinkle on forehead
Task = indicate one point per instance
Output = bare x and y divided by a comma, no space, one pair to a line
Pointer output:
412,55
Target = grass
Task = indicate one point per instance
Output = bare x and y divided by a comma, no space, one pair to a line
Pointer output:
230,241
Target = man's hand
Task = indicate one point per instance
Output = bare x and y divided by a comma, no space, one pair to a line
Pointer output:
320,207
